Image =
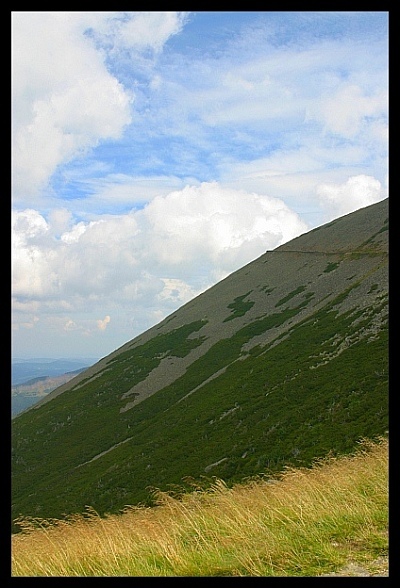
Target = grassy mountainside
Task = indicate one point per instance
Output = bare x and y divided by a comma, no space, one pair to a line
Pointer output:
283,361
328,520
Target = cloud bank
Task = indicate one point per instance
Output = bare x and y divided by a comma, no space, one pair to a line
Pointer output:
196,234
151,260
357,192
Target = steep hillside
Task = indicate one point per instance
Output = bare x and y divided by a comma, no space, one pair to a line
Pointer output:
283,361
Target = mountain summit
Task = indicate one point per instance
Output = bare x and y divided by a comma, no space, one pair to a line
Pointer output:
283,361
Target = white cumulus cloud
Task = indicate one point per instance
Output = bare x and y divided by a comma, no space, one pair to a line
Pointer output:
102,324
217,226
64,99
148,261
150,29
357,192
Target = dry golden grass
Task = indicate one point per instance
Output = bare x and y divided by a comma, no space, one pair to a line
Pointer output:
307,522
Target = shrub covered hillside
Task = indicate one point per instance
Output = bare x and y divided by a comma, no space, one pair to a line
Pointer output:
284,361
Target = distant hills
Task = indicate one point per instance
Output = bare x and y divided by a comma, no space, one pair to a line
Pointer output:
33,379
23,370
27,394
283,361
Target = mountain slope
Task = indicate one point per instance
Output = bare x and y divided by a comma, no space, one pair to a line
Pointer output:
281,362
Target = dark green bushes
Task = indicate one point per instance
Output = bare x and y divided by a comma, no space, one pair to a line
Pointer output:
239,307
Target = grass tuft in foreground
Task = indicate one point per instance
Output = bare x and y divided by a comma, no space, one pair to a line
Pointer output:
304,522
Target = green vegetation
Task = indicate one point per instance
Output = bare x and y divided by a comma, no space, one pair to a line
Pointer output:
239,307
307,523
290,295
267,289
331,266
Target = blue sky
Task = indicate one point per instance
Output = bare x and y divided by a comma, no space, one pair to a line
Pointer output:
154,153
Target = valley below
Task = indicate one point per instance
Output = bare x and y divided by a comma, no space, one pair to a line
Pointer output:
25,395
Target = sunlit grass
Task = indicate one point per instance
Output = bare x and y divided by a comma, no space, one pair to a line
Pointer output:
306,522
